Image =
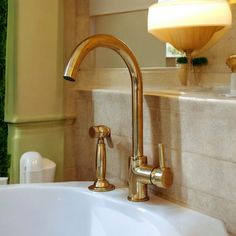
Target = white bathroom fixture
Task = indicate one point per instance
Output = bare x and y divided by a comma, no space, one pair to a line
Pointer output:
67,209
3,180
36,169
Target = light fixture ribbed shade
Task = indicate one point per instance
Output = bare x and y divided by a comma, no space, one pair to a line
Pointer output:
189,25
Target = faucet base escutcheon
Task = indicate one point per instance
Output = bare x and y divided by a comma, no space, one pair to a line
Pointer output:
101,186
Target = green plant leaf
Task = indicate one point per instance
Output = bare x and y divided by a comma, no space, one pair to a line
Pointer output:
182,60
199,61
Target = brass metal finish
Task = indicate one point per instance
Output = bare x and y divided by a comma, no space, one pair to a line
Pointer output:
162,176
140,174
137,180
101,131
231,62
127,55
101,184
162,161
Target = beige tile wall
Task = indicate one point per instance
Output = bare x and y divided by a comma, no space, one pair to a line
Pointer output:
199,137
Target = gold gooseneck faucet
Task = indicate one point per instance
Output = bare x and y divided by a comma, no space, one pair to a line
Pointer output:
140,174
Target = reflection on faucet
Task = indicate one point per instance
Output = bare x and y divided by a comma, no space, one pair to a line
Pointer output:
140,174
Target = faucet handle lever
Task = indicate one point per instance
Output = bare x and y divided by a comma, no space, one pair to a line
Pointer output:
162,161
162,176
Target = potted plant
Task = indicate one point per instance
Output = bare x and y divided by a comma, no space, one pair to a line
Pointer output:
182,63
198,64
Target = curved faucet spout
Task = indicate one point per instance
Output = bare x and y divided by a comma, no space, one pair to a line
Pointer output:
140,174
127,55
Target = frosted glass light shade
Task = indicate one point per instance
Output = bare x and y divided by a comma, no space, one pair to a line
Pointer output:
189,25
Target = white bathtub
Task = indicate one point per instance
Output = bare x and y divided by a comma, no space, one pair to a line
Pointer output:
69,209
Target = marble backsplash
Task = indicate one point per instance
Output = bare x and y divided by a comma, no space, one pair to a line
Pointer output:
198,133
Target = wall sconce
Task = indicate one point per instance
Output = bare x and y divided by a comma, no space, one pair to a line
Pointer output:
190,26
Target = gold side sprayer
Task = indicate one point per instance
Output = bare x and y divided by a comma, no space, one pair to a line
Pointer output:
101,132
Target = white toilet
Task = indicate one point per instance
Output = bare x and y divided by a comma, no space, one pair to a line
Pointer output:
36,169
